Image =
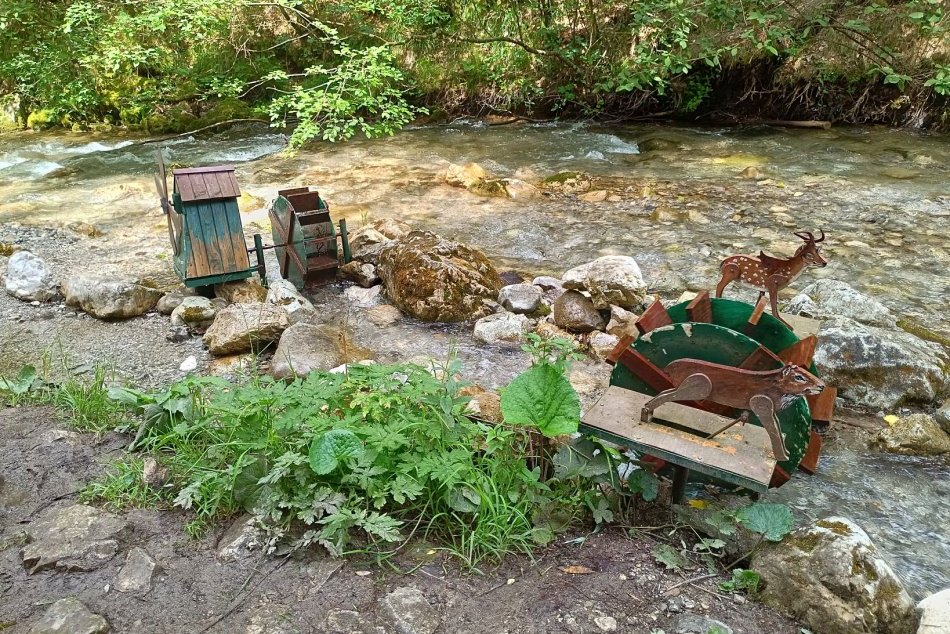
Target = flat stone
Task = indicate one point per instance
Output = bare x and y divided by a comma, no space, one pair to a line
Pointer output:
698,624
575,312
520,298
383,316
74,538
271,619
242,327
345,622
136,574
170,301
547,283
304,348
284,294
364,297
501,327
596,196
29,278
935,613
606,623
828,298
69,616
410,612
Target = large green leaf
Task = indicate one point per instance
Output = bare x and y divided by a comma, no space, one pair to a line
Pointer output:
645,483
542,397
329,449
773,521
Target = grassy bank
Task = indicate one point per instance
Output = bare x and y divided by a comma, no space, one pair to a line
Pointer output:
332,70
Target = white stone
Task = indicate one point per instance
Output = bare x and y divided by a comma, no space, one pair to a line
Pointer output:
364,297
304,348
935,613
602,344
520,298
284,294
610,280
29,278
520,190
110,298
501,327
189,364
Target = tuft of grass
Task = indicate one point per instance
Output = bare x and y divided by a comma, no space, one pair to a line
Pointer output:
123,487
85,402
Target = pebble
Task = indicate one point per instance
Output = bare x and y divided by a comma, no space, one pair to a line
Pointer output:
188,364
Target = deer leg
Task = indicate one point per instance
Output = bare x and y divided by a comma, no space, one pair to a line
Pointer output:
772,286
695,387
729,274
763,407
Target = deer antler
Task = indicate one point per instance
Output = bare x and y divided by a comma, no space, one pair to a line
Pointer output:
806,236
822,238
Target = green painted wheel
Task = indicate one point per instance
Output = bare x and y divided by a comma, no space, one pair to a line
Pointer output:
718,344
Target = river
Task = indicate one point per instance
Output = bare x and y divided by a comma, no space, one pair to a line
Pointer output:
882,196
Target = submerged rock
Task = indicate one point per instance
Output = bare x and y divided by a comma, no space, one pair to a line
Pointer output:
507,327
831,577
880,368
364,297
110,298
304,348
466,176
383,316
194,312
245,327
69,616
610,280
520,298
284,294
917,434
575,312
74,538
436,279
29,278
830,298
520,190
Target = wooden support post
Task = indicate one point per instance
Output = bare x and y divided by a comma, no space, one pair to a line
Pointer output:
680,477
700,308
345,238
653,317
800,353
259,250
756,315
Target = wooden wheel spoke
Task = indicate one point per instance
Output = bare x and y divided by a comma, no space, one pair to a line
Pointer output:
800,353
761,359
653,317
700,308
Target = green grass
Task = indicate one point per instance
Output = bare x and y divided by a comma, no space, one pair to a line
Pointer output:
123,487
85,403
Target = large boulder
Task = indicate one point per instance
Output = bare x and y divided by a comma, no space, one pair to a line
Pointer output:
830,576
284,294
917,434
935,613
501,327
877,367
612,279
74,538
520,298
194,312
29,278
364,238
830,298
304,348
575,312
110,298
244,327
436,279
69,616
942,416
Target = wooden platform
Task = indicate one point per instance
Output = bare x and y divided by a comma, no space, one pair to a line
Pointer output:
741,455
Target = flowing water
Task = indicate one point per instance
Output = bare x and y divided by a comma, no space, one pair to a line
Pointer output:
677,204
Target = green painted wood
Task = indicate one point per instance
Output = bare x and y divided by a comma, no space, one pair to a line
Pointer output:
718,344
206,235
732,314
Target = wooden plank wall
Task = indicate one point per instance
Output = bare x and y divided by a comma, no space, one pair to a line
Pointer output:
217,238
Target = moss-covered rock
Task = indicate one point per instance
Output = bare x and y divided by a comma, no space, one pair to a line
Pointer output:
41,120
436,279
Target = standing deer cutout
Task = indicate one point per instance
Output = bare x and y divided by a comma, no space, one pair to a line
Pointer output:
770,275
765,393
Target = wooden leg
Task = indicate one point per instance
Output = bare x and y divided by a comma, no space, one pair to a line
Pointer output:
773,300
680,476
743,418
695,387
764,409
729,274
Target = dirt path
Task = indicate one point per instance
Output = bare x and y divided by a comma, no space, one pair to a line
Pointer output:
42,465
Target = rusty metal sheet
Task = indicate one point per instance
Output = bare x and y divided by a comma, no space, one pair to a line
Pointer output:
741,455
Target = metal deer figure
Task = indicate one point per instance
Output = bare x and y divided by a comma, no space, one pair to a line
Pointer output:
764,393
770,275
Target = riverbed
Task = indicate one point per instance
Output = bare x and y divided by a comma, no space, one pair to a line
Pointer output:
678,205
